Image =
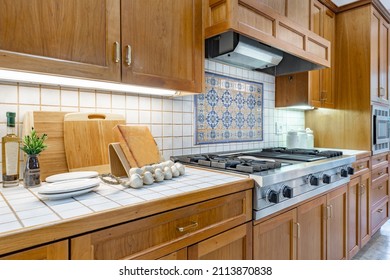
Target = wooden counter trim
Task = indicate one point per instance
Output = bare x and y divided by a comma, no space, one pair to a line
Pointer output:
28,237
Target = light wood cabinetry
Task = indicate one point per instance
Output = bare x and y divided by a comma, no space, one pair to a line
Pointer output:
53,251
314,88
234,244
359,231
379,191
166,234
380,44
114,41
59,37
274,23
359,42
165,52
313,230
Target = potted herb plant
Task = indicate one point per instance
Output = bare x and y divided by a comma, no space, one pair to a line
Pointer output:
33,145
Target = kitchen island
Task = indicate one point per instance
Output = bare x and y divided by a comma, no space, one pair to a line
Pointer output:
151,222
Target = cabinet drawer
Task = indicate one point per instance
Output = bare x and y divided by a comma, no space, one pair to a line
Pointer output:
378,159
361,166
54,251
380,173
379,216
177,228
379,190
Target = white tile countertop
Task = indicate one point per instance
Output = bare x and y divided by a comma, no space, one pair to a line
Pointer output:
21,208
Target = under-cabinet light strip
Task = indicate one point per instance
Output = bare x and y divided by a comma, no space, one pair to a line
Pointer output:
27,77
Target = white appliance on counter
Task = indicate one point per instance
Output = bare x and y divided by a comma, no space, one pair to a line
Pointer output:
303,139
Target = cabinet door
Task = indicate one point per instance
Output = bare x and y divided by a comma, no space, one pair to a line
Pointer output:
276,238
162,43
365,231
234,244
54,251
337,224
379,58
177,255
354,226
60,37
312,230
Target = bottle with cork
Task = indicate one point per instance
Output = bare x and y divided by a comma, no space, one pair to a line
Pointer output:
10,153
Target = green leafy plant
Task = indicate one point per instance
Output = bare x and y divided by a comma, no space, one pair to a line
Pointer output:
33,144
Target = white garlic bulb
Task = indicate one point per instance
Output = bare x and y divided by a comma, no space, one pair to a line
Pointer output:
167,173
148,178
135,170
158,175
175,171
147,168
135,181
180,167
157,166
168,163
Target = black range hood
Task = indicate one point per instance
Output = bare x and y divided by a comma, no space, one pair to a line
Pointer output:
238,50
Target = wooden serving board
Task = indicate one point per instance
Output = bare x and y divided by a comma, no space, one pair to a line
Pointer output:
86,140
53,159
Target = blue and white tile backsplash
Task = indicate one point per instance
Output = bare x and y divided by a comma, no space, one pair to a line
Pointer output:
229,110
171,120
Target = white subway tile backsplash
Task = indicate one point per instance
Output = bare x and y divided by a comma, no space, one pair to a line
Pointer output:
69,98
103,100
167,104
118,101
132,117
157,130
29,95
9,94
50,96
144,103
167,117
156,117
131,102
157,104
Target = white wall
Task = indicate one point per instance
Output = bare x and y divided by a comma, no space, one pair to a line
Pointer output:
170,120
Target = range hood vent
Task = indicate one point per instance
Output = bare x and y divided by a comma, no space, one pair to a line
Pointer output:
235,49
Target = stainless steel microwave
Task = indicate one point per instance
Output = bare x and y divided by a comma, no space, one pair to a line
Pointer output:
380,129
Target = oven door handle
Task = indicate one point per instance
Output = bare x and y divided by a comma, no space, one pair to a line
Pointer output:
375,125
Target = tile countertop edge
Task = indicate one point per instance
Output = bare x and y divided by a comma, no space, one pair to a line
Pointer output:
25,238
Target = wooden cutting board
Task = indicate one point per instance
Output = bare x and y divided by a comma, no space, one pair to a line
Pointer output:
86,140
138,145
53,159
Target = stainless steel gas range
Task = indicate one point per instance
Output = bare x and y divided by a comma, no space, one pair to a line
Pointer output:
283,177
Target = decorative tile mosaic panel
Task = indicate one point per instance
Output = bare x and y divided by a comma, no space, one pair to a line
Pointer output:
230,110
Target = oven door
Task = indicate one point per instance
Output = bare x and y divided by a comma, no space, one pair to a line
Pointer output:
381,129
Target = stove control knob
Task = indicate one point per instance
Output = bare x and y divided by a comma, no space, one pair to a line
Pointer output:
351,170
287,192
273,196
344,172
314,181
326,179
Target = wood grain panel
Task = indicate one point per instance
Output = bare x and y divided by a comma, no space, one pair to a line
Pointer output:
53,251
257,21
59,37
173,56
132,240
353,217
365,217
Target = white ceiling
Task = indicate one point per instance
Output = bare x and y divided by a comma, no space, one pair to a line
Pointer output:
339,3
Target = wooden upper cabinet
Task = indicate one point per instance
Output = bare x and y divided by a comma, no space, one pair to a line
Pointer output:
73,38
380,44
162,43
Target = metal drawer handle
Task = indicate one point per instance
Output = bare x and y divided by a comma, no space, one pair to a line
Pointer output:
380,173
117,57
298,230
380,187
379,210
186,228
362,189
128,55
361,166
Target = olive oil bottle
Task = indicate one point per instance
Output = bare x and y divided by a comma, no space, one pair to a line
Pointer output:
10,153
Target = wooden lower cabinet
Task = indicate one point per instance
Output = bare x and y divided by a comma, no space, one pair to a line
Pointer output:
276,238
53,251
358,213
165,235
234,244
177,255
314,230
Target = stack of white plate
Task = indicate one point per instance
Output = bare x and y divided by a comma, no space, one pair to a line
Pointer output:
70,184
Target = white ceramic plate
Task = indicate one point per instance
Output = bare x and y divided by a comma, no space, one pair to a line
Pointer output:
69,186
71,176
67,194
